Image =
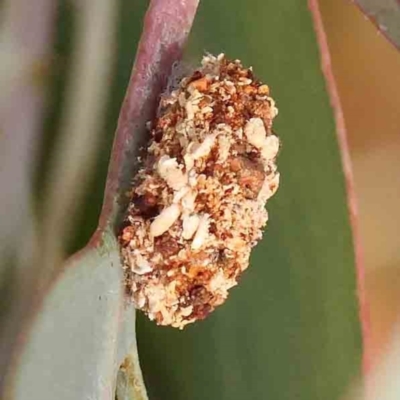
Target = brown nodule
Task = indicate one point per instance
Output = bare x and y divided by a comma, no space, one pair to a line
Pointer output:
198,201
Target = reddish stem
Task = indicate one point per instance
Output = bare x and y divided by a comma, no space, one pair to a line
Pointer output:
166,27
347,168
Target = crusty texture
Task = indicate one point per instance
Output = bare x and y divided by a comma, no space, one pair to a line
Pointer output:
198,202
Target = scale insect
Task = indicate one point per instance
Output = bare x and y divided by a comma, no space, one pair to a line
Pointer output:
198,201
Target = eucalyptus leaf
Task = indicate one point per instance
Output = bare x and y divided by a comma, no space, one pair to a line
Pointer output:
83,332
290,330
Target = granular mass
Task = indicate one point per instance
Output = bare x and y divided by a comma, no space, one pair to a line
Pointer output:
198,201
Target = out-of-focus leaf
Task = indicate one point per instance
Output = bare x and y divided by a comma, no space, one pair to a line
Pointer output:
291,329
385,14
25,44
83,332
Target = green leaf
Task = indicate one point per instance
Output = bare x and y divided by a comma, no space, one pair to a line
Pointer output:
82,334
290,330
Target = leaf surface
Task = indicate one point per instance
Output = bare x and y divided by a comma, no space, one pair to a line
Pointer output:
83,333
291,328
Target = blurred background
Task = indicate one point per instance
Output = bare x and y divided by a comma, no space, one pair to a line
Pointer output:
366,67
367,71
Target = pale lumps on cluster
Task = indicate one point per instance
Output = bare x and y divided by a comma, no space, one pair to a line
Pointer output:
198,201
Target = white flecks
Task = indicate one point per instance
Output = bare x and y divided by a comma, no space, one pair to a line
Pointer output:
204,148
192,178
255,132
139,299
140,265
265,193
270,147
202,232
239,133
155,295
171,172
235,243
224,146
206,110
188,201
207,59
189,162
180,194
195,95
269,187
244,81
190,225
191,109
186,311
218,283
274,110
166,315
165,220
274,183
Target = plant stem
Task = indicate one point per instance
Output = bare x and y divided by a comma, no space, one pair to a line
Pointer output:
166,27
